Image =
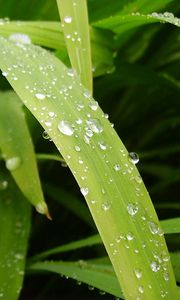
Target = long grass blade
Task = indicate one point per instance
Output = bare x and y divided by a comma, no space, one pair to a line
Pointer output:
106,173
14,231
74,19
17,150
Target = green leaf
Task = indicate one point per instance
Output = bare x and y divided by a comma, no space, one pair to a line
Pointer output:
175,258
99,275
171,225
74,19
17,150
49,34
14,232
106,174
122,23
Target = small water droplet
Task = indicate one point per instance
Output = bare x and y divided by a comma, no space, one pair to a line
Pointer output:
117,167
77,148
65,128
154,228
155,267
13,163
133,157
132,209
84,191
141,289
106,206
45,135
95,125
93,201
67,19
166,276
138,273
129,236
93,105
138,179
40,96
102,146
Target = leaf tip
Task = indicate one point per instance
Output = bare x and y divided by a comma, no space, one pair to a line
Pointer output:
43,209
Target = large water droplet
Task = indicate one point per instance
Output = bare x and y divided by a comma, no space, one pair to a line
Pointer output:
133,157
65,128
155,267
132,209
84,191
95,125
20,38
67,19
13,163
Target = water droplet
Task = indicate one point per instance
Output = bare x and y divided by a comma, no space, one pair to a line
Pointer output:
65,128
51,114
13,163
166,276
154,228
93,201
84,191
132,209
45,135
138,179
3,184
68,19
129,236
106,206
70,72
133,157
117,168
155,267
95,125
5,74
138,273
102,146
77,148
141,289
40,96
20,38
93,105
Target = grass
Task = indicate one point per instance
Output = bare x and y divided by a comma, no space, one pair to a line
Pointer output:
129,88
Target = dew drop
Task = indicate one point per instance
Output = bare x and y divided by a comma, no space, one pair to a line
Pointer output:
129,236
132,209
84,191
138,179
13,163
95,125
77,148
65,128
93,201
93,105
106,206
68,19
138,273
3,184
154,228
154,266
102,146
141,289
166,276
133,157
40,96
45,135
117,168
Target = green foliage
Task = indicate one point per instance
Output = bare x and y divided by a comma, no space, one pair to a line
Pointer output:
136,64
